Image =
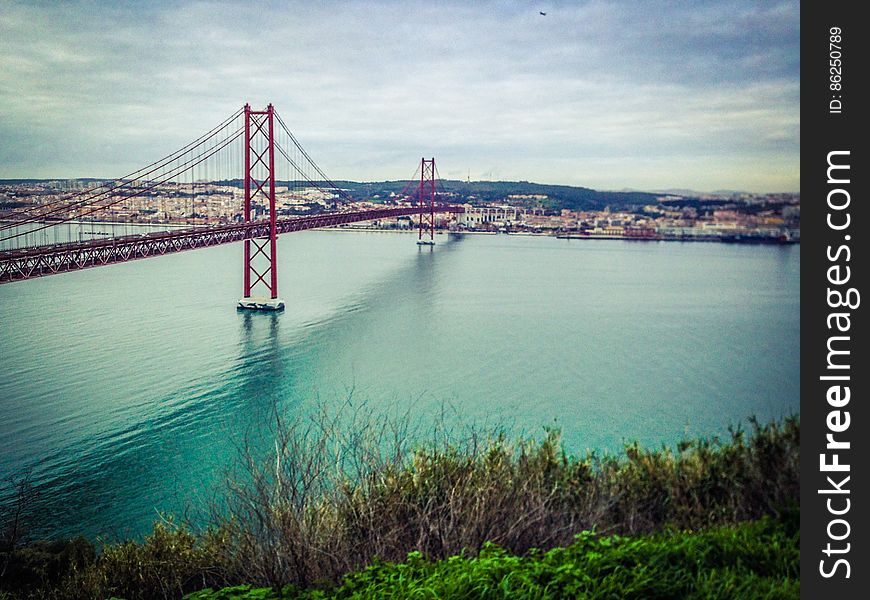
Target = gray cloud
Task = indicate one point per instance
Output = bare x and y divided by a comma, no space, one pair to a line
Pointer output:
603,94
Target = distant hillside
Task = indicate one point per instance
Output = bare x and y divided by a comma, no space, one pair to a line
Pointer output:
557,196
26,181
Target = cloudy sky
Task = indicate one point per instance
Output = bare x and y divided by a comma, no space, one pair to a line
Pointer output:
610,95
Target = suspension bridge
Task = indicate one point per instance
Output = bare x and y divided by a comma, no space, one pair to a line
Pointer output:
198,187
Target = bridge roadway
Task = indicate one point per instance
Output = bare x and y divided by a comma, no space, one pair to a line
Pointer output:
37,261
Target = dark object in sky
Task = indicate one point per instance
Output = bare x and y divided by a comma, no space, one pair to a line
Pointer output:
542,13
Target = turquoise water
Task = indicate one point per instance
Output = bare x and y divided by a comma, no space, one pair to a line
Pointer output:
126,388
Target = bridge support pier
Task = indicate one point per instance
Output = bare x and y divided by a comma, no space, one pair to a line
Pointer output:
426,236
260,253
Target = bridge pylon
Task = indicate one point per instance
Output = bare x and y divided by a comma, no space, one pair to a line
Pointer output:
260,268
426,195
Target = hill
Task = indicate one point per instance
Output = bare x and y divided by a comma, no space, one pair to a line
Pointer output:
557,196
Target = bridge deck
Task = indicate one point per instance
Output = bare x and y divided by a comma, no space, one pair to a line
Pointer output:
38,261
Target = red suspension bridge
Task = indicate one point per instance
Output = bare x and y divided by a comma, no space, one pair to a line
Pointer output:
190,186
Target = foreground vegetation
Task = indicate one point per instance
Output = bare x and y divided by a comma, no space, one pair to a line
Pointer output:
751,560
482,515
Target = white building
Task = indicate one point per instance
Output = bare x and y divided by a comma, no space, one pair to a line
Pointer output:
474,217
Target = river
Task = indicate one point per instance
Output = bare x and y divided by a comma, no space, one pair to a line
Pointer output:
125,389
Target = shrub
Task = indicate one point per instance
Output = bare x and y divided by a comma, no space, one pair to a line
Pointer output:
752,560
170,562
324,502
44,564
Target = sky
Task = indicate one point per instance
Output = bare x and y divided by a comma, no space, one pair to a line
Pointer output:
610,95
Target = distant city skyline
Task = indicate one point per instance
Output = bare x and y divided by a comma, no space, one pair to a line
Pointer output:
607,95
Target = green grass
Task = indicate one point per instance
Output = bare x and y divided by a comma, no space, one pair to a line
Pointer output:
757,559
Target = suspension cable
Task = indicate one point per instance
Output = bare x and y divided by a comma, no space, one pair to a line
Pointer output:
182,168
113,185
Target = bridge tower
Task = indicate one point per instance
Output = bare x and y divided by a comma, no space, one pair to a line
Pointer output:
426,194
260,268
